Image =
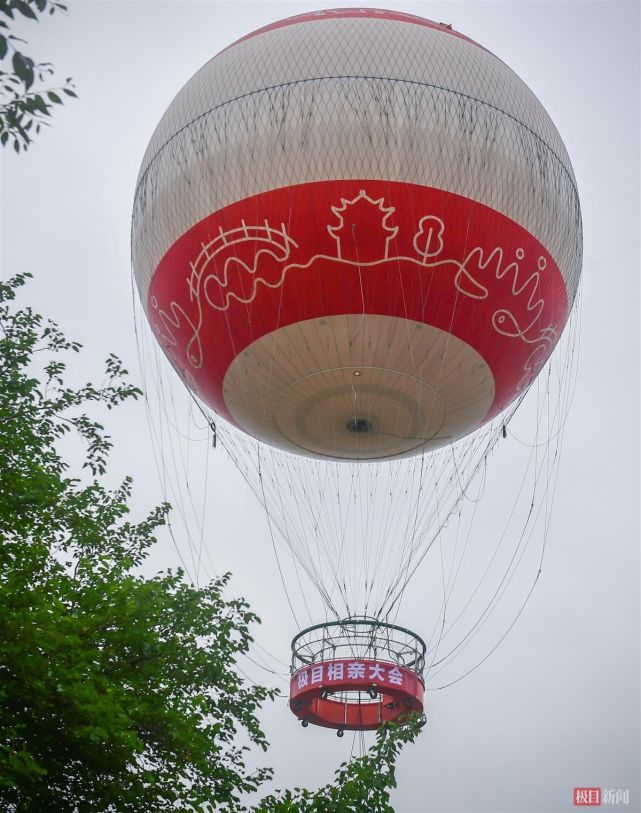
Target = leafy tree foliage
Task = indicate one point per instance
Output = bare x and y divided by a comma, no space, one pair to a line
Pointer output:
116,692
25,105
361,786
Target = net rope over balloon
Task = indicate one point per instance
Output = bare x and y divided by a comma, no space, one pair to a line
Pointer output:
357,238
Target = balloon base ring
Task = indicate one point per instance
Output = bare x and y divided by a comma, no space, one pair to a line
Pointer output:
356,674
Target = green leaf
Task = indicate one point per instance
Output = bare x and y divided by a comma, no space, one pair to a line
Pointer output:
70,92
54,97
117,669
40,105
25,9
3,47
23,67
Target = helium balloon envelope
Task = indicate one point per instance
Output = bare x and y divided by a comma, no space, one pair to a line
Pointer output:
356,235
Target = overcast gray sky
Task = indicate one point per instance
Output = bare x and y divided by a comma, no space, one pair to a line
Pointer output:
557,705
